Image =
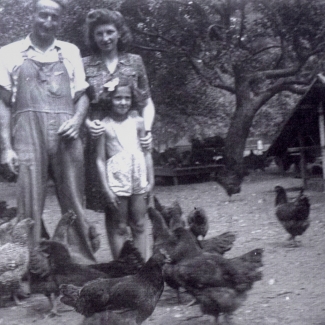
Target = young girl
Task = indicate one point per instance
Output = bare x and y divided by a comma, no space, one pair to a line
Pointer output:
125,169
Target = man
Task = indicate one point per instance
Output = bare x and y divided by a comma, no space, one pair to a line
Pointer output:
42,106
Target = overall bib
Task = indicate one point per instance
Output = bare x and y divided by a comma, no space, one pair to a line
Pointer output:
43,102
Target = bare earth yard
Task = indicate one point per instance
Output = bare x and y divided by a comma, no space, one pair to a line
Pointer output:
292,291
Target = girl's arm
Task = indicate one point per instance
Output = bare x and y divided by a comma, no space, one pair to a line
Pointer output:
101,167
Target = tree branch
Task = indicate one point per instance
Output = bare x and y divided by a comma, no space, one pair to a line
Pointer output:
209,77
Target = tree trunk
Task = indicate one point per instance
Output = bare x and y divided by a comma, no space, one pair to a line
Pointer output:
238,133
241,121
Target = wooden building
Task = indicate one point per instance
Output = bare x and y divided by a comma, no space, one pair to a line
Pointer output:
303,132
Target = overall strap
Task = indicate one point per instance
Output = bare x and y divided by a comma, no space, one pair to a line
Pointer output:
60,55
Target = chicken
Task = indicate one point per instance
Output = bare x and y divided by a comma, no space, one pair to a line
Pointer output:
129,262
61,270
199,225
198,222
160,230
136,295
61,231
294,216
180,242
51,265
14,258
219,300
61,235
41,280
219,285
172,214
5,232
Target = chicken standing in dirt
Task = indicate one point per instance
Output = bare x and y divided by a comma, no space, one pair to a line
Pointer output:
51,265
135,295
294,216
220,285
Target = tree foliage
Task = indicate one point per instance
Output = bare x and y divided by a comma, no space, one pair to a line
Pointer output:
253,49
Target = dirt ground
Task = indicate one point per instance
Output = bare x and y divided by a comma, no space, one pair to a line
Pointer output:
292,291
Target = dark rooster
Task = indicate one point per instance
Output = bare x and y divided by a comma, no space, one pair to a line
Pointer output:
66,224
135,295
160,231
219,285
51,265
181,244
41,280
198,222
198,226
171,213
294,216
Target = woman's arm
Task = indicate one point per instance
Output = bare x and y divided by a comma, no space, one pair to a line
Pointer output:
150,170
147,156
148,114
95,127
101,167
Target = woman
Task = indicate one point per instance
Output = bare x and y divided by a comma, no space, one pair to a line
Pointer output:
108,37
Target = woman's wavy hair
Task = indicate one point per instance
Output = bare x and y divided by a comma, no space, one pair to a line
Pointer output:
99,17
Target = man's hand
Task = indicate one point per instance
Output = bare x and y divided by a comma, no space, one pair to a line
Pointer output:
9,159
96,128
70,129
146,141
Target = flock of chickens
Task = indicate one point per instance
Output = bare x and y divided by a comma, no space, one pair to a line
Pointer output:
127,290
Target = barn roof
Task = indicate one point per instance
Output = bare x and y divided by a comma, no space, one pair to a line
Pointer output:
304,119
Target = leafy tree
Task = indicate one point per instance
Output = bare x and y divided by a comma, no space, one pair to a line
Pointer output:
252,49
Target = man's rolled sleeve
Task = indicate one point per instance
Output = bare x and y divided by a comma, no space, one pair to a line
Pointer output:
5,77
80,77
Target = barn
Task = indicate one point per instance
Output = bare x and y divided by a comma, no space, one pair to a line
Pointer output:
303,133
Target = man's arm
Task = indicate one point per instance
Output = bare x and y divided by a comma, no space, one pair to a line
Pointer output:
8,156
70,128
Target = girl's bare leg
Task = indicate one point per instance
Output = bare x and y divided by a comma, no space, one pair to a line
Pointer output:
116,226
137,222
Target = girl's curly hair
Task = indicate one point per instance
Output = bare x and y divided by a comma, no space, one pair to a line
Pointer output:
99,17
136,96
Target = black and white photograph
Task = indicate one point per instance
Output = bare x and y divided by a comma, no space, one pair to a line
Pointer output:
162,162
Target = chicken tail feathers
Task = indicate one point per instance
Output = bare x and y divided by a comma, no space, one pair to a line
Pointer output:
219,244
